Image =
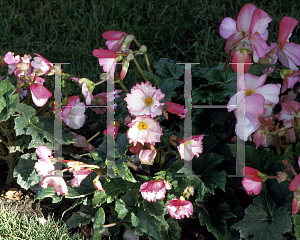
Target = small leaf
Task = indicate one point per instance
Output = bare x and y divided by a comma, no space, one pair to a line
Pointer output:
168,68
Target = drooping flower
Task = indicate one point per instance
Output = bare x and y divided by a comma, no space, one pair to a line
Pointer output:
175,109
253,180
153,190
107,59
56,181
73,114
144,99
12,61
44,166
241,56
41,65
147,156
39,94
82,143
288,53
179,208
289,111
144,129
189,148
116,39
78,176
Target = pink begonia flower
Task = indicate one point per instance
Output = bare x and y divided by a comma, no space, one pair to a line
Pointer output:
79,176
45,164
42,64
144,100
39,94
144,129
180,208
254,85
248,113
193,146
271,58
288,53
289,79
290,132
153,190
98,184
56,181
250,21
295,204
114,39
289,110
136,148
253,180
112,130
12,61
263,135
147,156
82,142
73,114
295,184
241,56
175,109
107,59
86,93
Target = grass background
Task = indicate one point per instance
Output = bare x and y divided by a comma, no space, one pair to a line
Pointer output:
69,31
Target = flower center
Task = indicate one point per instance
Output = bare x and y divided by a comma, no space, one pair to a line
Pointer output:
57,173
142,126
249,92
186,143
148,101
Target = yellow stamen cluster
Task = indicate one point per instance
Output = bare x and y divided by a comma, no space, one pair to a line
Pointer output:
186,143
249,92
142,126
148,101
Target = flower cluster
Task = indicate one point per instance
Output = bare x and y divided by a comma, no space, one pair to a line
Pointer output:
28,72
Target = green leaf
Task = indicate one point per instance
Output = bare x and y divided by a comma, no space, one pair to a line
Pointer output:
8,100
25,172
99,198
173,231
282,194
167,86
147,224
214,214
120,208
116,186
264,220
122,143
167,68
296,220
83,216
38,128
86,187
261,159
48,192
154,79
257,69
205,166
98,224
154,208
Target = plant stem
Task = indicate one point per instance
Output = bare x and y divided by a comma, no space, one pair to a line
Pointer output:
227,61
100,82
140,70
123,86
112,224
148,63
28,97
93,137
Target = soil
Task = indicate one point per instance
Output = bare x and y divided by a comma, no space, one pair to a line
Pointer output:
23,201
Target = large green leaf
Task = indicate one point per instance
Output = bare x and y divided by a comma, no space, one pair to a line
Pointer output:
296,220
173,231
205,166
83,216
48,192
38,128
168,68
25,172
264,220
168,86
8,100
214,214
